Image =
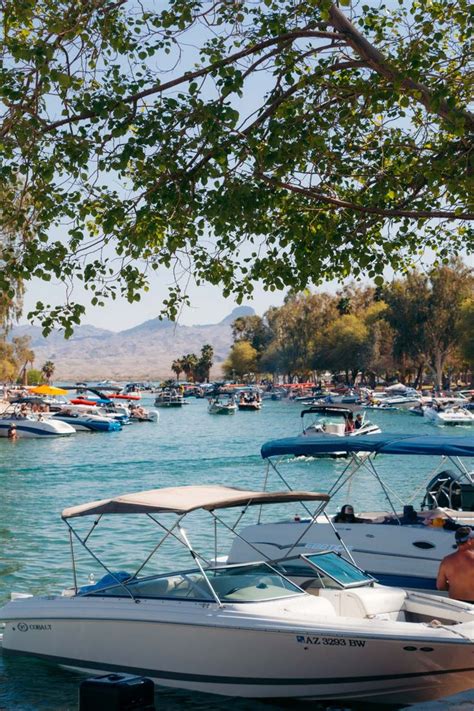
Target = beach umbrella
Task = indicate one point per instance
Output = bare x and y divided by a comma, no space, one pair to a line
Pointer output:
48,390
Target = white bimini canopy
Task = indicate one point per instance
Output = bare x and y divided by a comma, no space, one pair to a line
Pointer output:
183,499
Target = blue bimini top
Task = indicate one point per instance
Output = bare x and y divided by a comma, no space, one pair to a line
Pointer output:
378,444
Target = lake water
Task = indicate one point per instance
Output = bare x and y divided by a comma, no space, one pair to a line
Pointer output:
39,477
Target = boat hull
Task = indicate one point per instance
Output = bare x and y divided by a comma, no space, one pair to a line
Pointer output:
35,428
240,655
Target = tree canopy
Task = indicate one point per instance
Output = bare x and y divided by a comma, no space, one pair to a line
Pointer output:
420,323
282,141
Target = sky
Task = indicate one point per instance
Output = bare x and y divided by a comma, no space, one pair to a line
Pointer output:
207,303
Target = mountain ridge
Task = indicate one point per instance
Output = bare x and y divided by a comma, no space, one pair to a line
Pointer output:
145,351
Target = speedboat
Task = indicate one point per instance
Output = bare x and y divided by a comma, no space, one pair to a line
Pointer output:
86,422
398,548
331,421
448,414
217,406
169,397
310,626
249,400
143,414
396,396
30,424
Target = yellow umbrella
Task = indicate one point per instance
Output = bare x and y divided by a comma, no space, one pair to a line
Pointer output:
48,390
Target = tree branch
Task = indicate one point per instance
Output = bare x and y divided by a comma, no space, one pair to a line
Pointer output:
377,61
316,195
189,76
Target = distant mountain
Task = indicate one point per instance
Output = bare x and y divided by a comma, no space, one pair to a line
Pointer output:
238,312
143,352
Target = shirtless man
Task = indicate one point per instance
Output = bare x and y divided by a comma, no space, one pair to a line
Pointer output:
456,571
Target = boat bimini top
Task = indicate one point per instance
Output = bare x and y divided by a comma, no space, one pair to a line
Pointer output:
450,489
377,444
180,501
184,499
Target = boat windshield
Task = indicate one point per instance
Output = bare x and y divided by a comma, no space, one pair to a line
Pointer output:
338,569
242,583
328,570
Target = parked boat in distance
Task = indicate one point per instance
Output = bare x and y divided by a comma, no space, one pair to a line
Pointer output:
222,406
29,424
250,400
445,413
86,422
169,397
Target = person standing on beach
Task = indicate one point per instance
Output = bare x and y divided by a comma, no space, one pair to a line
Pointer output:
456,571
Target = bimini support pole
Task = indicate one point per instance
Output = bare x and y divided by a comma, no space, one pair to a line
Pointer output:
265,481
169,532
188,545
339,537
71,544
91,553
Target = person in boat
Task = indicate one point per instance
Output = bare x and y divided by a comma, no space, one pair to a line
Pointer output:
456,571
12,433
346,515
358,422
350,426
408,517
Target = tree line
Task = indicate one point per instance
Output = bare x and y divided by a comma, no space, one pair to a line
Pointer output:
421,324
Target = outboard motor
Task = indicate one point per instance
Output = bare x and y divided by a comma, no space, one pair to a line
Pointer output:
449,489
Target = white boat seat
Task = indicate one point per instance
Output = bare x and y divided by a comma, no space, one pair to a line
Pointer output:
335,428
386,603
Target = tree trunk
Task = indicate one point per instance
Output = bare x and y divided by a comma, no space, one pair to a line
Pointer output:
419,375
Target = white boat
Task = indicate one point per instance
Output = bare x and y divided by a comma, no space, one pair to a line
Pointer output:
447,414
247,630
402,549
169,397
396,396
331,421
143,414
217,406
32,425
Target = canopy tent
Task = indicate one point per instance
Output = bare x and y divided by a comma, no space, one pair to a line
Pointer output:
184,499
48,390
378,444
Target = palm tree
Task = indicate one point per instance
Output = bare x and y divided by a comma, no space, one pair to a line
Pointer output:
206,362
177,367
188,365
48,370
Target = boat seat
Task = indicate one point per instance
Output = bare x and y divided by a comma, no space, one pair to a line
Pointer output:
335,428
385,603
151,588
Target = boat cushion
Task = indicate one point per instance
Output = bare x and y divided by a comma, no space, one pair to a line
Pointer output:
367,601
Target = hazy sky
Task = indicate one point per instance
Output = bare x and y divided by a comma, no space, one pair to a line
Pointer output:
208,304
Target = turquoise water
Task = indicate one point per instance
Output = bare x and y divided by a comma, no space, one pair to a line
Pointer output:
38,478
